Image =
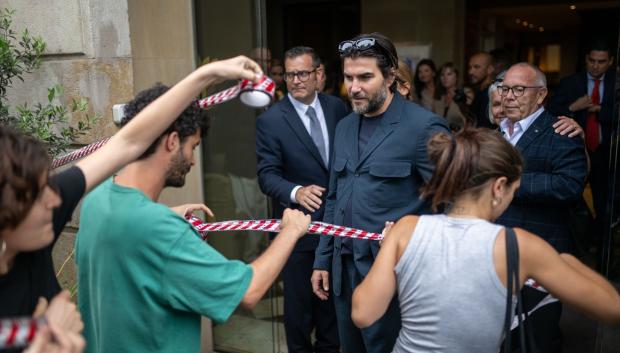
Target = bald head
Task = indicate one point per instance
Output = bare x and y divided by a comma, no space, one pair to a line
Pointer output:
523,91
481,69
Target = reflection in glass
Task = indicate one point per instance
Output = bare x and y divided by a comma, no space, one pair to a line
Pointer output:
229,161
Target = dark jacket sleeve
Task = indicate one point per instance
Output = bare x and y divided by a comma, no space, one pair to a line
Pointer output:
424,166
566,180
269,163
563,97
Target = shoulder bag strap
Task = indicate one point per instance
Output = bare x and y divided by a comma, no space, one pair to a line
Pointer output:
512,281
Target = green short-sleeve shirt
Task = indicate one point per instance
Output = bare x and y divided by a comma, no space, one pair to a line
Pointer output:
145,277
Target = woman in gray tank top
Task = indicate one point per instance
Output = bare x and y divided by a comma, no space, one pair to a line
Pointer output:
450,269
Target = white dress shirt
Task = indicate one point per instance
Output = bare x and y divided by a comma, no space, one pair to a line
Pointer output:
519,127
301,110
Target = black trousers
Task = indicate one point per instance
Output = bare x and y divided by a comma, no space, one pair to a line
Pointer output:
304,311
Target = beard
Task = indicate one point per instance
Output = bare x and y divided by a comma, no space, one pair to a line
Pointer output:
374,103
178,169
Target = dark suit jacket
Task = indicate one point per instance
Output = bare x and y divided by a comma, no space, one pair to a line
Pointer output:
553,179
575,86
383,181
287,156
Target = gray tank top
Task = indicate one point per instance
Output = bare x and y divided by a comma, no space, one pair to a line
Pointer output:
451,299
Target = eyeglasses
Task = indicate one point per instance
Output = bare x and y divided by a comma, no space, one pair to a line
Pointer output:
301,75
362,44
517,91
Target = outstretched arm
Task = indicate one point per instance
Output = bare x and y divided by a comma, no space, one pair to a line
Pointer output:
372,297
268,265
568,279
134,138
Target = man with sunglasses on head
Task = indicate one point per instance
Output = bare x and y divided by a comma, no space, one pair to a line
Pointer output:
379,163
552,181
293,143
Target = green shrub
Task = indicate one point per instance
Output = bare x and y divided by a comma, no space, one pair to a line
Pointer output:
20,55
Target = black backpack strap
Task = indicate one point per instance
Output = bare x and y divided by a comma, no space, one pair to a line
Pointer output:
512,281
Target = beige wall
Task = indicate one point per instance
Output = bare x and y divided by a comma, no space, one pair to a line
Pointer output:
88,54
162,44
162,41
439,23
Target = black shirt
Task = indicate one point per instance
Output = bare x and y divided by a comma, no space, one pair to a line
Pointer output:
32,274
367,129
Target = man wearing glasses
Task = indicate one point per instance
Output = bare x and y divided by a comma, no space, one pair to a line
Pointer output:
293,143
552,181
379,163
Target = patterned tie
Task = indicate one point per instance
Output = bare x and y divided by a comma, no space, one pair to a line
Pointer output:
593,137
316,133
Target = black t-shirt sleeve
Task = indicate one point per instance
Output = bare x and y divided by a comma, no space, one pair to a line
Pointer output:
70,184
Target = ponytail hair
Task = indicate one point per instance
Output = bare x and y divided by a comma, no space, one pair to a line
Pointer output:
465,162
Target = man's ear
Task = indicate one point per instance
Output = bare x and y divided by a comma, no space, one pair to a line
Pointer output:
542,93
172,141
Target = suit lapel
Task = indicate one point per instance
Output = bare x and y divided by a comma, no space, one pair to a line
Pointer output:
534,131
292,118
583,84
385,128
330,122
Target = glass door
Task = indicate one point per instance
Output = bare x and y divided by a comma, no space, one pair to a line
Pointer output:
225,29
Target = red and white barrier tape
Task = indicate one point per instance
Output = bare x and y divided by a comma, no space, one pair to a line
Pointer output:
273,225
253,94
78,154
20,332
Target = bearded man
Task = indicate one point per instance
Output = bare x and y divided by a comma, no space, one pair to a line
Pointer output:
145,274
380,162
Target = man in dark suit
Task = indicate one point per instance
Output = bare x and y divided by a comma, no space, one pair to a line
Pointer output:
293,142
553,179
588,97
380,162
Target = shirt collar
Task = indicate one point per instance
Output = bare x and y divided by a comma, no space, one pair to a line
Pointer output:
524,123
592,78
304,107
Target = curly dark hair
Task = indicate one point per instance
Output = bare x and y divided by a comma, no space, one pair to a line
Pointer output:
24,160
190,120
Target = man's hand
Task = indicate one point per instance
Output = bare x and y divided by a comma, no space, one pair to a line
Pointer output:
583,102
320,284
188,208
566,125
295,221
310,197
595,108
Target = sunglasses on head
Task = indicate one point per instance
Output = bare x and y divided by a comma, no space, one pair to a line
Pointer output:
347,46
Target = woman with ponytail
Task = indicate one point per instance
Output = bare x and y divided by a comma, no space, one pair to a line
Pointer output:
450,269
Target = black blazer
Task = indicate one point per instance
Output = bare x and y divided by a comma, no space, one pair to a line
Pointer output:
383,181
553,179
575,86
287,156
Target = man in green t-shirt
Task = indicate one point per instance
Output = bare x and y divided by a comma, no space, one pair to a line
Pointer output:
145,276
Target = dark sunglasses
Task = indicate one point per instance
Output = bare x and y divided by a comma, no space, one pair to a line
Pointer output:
362,44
